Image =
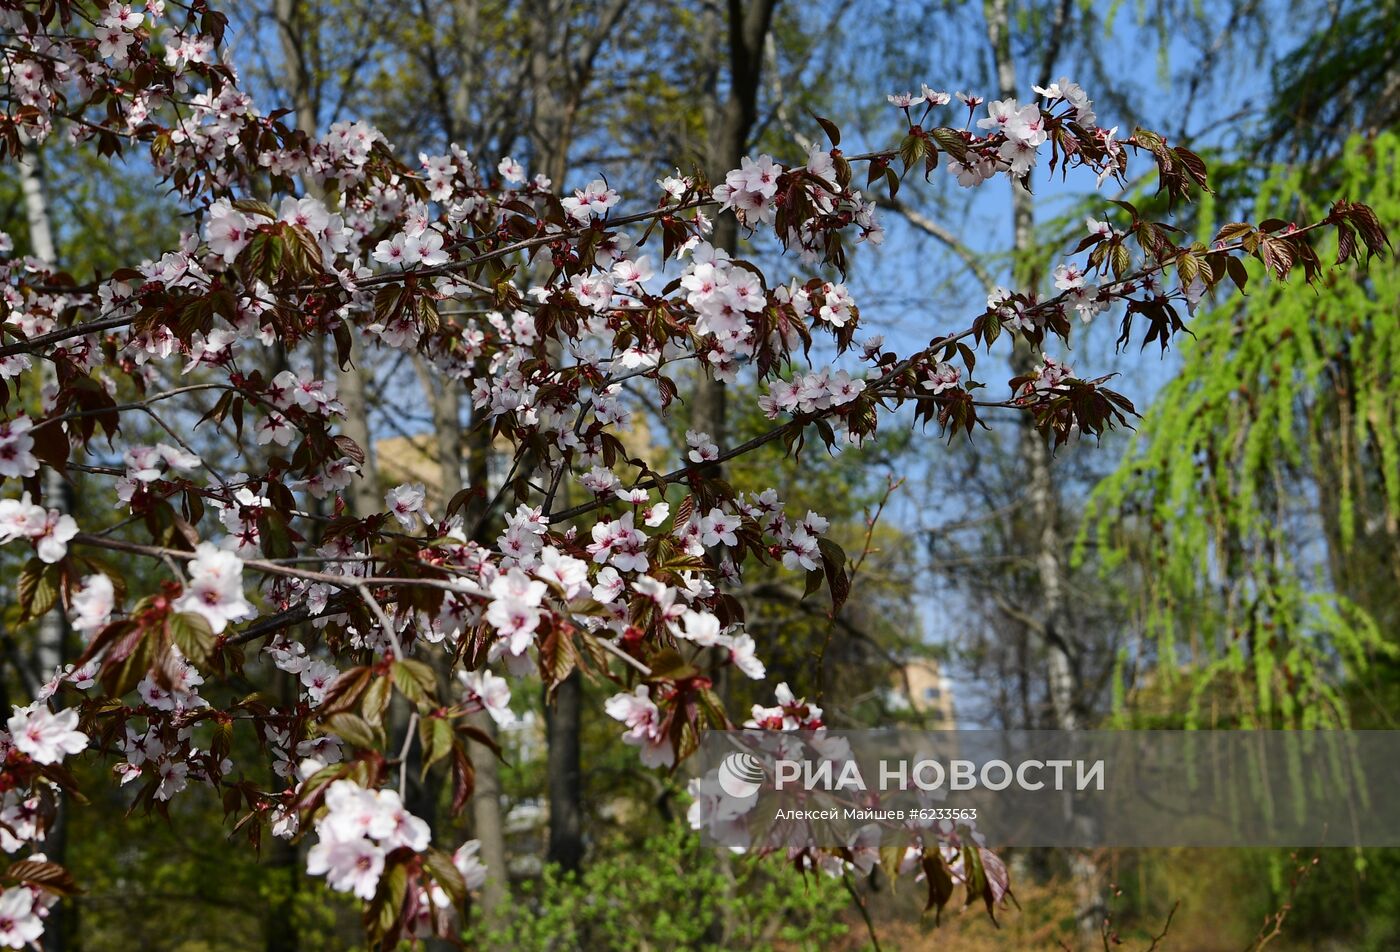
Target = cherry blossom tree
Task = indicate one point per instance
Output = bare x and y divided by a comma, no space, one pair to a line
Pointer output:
304,242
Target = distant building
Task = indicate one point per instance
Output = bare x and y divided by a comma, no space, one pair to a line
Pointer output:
921,686
410,459
413,459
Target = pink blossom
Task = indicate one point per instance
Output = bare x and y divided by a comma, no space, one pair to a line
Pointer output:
405,504
216,588
16,445
45,736
491,692
352,865
469,864
20,924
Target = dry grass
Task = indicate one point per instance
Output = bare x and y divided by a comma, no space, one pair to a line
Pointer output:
1210,917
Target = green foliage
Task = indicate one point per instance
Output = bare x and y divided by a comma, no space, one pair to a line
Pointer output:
1241,499
184,885
90,197
672,893
1341,79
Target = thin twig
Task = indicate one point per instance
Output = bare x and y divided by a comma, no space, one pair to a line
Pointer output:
1166,927
1273,923
613,649
403,754
383,619
864,912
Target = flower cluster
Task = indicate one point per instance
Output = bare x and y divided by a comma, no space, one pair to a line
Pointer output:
16,447
22,909
42,735
215,591
92,604
809,393
48,529
355,833
645,725
1081,294
748,191
490,692
724,298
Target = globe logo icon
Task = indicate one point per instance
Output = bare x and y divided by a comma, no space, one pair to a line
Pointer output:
740,774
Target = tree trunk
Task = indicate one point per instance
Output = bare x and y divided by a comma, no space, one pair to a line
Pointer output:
1043,508
488,823
453,448
732,123
365,499
279,924
443,397
549,145
53,627
298,36
50,647
564,773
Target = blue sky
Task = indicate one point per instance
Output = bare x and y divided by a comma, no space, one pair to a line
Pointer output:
910,288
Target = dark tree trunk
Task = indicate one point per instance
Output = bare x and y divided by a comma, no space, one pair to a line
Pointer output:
565,773
732,122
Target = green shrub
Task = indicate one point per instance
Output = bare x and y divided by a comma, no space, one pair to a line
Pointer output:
671,893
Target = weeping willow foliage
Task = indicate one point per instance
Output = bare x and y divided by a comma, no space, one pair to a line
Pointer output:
1257,510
